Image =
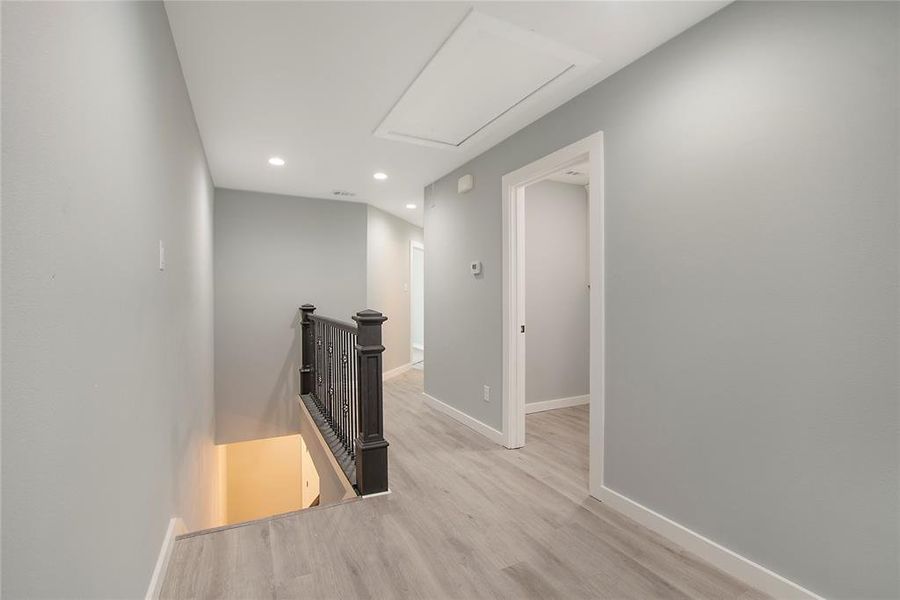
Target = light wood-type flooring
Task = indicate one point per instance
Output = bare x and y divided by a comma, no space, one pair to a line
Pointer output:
465,519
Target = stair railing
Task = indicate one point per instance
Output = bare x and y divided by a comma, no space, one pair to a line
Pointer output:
341,377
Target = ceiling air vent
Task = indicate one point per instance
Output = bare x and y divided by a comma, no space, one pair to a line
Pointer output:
484,70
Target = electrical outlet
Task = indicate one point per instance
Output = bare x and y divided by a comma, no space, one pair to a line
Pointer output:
487,393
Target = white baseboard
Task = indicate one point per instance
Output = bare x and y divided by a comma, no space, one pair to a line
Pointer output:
533,407
176,527
470,422
376,494
394,372
731,562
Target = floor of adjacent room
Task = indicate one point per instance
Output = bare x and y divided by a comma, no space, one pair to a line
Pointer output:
465,518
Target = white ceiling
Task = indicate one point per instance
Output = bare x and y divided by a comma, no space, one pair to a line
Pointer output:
312,81
486,68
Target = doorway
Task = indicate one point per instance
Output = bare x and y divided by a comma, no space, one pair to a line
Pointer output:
588,151
557,287
417,304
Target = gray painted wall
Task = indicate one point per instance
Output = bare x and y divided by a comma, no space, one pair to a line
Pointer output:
556,291
752,284
107,361
387,259
272,254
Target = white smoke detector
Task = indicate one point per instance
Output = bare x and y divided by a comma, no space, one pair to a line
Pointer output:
465,184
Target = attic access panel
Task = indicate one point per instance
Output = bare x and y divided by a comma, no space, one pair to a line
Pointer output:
482,71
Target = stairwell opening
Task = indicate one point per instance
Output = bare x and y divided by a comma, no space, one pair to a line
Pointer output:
266,477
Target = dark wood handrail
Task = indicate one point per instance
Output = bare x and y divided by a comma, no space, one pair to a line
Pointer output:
341,378
335,322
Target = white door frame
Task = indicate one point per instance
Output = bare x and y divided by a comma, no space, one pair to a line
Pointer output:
414,245
513,219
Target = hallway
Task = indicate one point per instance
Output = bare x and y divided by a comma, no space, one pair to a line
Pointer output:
465,519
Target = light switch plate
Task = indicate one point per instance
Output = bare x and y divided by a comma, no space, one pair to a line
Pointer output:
162,256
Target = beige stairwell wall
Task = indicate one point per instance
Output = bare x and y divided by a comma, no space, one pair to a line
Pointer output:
388,289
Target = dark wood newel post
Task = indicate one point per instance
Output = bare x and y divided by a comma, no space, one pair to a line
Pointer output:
371,447
307,342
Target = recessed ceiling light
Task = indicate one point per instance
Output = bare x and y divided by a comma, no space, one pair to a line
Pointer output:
410,206
380,176
276,161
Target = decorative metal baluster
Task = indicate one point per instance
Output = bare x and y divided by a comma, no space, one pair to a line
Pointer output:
351,437
329,381
331,374
323,373
323,370
354,399
323,399
323,339
315,355
331,390
334,377
345,403
351,434
319,370
353,395
337,380
340,394
329,393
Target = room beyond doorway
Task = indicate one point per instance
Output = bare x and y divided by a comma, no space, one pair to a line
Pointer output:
557,288
417,304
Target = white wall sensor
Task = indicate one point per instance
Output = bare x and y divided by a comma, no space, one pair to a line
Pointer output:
475,267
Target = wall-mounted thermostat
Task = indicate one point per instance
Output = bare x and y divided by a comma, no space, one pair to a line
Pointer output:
475,267
465,184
